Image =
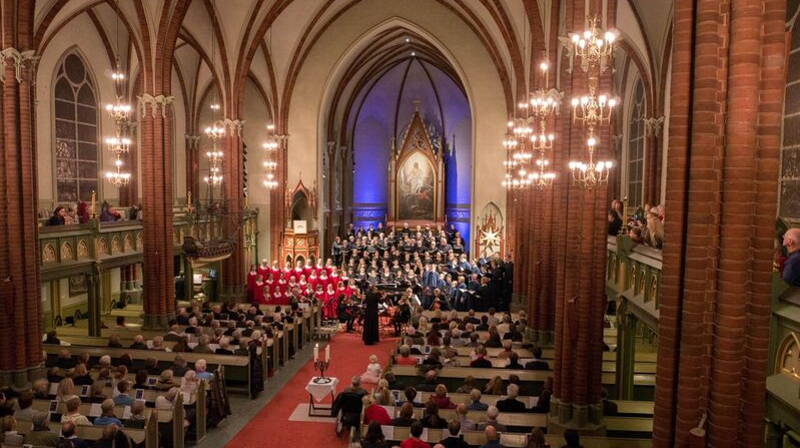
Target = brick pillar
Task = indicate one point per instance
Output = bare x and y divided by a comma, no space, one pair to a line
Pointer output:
193,165
233,270
20,300
156,146
727,98
579,253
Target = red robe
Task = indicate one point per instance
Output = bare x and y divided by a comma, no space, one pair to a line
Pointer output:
251,284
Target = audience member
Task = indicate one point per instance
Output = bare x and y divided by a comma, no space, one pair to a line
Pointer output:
406,416
492,439
107,417
374,437
543,405
373,372
511,404
355,386
481,361
494,386
414,441
40,434
123,398
537,363
572,438
475,401
137,418
453,439
536,439
463,420
469,384
200,367
404,358
791,267
373,412
491,420
69,431
441,399
73,413
431,419
81,376
24,402
430,383
513,362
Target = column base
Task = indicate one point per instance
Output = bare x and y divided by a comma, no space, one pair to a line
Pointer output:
133,292
233,293
21,379
586,419
540,337
157,321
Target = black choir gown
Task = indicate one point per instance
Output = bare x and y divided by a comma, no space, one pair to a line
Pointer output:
371,331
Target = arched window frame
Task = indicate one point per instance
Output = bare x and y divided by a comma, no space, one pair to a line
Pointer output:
79,165
635,147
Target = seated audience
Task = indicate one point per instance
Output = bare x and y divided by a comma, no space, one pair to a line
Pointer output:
202,345
179,367
123,398
410,396
113,341
24,402
406,416
374,437
8,428
536,439
609,407
373,412
463,420
543,405
404,357
66,391
475,401
469,384
40,388
431,418
513,362
81,376
430,383
494,386
441,399
167,401
113,438
537,363
481,360
200,367
511,404
224,347
141,380
73,413
382,394
40,434
393,383
414,441
137,418
107,417
453,439
165,381
491,420
492,438
189,382
69,432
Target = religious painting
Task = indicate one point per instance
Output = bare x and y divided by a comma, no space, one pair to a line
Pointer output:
77,285
416,188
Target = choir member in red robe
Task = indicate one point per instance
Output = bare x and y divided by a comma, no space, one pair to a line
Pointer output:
330,302
251,282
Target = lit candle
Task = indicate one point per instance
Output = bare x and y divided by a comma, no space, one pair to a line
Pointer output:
316,352
328,353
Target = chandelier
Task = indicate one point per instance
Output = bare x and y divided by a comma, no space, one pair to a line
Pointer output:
270,165
595,49
523,144
119,144
214,177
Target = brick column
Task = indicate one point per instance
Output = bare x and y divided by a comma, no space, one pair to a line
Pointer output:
20,295
156,146
727,95
579,253
233,269
193,165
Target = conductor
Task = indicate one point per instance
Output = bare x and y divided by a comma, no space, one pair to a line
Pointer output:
371,332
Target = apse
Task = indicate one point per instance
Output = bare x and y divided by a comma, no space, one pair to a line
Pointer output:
382,118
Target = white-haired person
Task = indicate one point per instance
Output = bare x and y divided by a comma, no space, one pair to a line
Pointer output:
189,382
373,373
201,367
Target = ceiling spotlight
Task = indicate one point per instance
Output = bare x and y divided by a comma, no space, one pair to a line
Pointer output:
413,53
408,40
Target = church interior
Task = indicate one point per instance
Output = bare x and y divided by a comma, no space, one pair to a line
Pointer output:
413,223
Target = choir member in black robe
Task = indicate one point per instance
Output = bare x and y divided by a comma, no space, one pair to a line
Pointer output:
371,331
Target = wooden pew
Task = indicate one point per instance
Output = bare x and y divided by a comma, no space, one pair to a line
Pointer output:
477,438
453,378
236,366
500,363
626,408
511,419
149,434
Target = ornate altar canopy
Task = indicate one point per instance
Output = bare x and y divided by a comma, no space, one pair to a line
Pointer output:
416,178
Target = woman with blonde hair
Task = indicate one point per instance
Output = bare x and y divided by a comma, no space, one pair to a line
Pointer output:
374,371
654,233
65,391
382,394
165,381
441,399
373,412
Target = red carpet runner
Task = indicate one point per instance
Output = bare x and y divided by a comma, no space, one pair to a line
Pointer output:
271,427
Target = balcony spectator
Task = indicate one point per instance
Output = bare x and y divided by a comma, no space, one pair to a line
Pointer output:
59,217
791,268
109,213
84,212
654,233
71,215
614,223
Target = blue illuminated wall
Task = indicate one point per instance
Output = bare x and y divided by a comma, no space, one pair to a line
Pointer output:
384,110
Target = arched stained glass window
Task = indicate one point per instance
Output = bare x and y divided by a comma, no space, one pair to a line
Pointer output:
76,146
636,140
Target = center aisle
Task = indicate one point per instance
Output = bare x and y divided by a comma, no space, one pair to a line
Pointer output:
271,427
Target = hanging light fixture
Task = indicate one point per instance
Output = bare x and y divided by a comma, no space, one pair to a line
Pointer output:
214,177
270,146
594,48
120,112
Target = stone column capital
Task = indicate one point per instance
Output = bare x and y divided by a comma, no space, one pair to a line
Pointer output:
653,125
157,104
18,58
232,125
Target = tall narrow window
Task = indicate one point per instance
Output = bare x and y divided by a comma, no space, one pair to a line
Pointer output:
636,140
76,148
790,144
